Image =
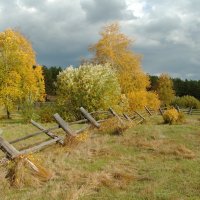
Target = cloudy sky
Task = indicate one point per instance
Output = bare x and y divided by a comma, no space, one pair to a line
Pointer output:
166,32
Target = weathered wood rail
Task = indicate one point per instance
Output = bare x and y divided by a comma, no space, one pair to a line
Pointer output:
11,152
88,118
161,110
190,111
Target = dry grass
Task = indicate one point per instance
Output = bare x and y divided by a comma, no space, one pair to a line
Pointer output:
147,162
161,146
26,171
113,126
178,150
72,141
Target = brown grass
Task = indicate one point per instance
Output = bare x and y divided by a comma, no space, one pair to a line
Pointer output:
72,141
25,171
113,126
178,150
161,146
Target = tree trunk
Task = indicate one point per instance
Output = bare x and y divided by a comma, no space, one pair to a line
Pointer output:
8,113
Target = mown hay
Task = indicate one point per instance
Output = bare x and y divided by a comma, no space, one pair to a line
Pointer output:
160,146
26,171
72,141
180,151
113,126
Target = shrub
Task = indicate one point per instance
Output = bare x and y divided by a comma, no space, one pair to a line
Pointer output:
187,101
172,116
46,111
93,87
28,112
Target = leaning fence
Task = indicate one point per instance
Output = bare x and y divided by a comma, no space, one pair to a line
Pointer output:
89,119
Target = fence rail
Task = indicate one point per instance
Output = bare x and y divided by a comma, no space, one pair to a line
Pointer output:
88,118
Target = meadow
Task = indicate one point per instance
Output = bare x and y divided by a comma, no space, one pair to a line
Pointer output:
150,161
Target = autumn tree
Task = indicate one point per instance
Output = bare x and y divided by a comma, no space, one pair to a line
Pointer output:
114,47
19,80
165,89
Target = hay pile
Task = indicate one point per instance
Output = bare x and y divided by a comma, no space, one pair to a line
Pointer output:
113,126
26,171
72,141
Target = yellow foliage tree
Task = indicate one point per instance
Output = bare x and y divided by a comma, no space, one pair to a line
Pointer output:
40,84
115,48
165,89
18,80
142,98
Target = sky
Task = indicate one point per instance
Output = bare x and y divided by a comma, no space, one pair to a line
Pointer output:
165,32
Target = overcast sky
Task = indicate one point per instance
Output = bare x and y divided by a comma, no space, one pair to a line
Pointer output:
166,32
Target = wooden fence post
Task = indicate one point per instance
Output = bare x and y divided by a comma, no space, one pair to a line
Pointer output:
116,115
89,117
190,110
177,108
127,117
147,110
160,110
8,149
63,124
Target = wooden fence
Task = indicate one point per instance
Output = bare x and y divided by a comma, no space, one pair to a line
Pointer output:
90,119
189,111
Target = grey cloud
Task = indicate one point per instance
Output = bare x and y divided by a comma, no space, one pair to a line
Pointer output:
168,37
104,10
166,34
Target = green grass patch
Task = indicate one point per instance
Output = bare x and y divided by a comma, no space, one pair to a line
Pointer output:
151,161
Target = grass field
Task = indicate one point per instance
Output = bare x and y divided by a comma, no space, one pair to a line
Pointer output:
151,161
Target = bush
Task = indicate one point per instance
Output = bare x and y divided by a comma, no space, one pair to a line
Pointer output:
46,112
187,101
43,113
172,116
28,112
93,87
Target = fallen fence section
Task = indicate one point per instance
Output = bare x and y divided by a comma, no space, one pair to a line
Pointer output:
11,152
89,119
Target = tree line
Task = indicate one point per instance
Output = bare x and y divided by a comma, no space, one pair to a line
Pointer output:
23,82
181,87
